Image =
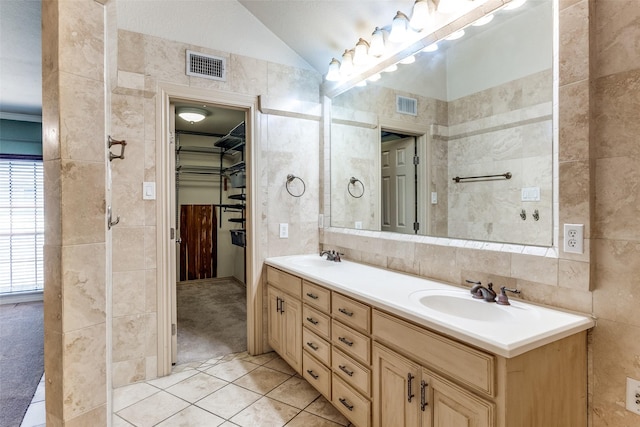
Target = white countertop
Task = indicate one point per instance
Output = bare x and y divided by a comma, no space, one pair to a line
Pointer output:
503,330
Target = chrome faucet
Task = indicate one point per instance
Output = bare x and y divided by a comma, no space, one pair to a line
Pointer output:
331,255
480,292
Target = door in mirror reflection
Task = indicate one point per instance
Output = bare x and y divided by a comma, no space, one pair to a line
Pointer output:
399,209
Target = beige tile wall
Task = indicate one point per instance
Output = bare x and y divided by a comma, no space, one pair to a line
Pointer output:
75,245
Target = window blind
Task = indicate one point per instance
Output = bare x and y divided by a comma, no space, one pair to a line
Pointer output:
21,225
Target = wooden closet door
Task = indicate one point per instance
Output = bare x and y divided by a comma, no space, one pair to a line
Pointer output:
198,252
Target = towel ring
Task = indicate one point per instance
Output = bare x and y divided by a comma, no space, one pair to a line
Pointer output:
353,181
290,179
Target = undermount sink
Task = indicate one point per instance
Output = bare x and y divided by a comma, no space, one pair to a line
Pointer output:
313,261
462,304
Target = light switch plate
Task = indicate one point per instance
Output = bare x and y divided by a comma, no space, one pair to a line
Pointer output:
284,230
148,190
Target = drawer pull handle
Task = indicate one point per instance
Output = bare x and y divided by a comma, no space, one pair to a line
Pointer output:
423,395
409,381
312,320
313,347
346,341
345,312
313,374
312,296
345,403
345,370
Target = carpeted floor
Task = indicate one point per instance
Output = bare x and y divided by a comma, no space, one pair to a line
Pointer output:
212,319
21,358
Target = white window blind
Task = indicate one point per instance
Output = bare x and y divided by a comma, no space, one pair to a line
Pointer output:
21,225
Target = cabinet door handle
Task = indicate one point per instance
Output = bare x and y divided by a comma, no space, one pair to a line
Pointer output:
345,403
345,312
409,381
313,347
313,374
278,304
312,320
346,341
281,306
312,296
423,395
345,370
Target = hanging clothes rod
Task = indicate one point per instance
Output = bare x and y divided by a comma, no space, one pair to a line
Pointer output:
506,175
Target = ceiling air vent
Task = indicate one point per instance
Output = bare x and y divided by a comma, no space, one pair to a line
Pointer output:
206,66
406,105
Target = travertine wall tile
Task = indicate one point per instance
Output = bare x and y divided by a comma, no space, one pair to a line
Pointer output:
128,371
574,43
535,269
615,356
129,341
616,115
83,202
84,367
130,48
81,43
617,36
574,122
616,292
89,417
84,290
128,248
484,261
574,275
574,194
555,296
129,293
618,198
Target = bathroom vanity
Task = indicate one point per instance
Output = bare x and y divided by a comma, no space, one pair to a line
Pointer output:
389,349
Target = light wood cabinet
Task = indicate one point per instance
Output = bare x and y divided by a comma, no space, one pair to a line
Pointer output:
383,370
284,313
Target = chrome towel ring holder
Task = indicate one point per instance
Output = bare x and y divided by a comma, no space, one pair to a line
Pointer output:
352,182
290,179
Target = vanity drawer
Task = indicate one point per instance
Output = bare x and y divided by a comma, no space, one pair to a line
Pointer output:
351,342
316,374
316,321
350,403
351,371
351,312
467,365
315,345
285,281
316,296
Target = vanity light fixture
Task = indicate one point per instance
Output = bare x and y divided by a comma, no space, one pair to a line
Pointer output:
333,74
360,55
346,67
375,77
483,21
450,6
376,48
408,60
399,28
514,4
390,68
431,48
422,10
191,114
455,36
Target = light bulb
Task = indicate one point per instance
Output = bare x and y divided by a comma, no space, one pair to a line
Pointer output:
422,10
333,74
360,56
376,48
346,68
399,25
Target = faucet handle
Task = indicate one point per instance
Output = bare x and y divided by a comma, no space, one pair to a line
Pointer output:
503,299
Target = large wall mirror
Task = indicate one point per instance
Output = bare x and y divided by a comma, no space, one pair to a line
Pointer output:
458,143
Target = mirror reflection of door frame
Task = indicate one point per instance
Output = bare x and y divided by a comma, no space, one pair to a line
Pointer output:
423,183
165,212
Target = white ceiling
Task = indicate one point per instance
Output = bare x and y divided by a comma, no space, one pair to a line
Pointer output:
316,30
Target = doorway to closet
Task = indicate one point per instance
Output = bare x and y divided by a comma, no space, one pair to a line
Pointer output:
210,257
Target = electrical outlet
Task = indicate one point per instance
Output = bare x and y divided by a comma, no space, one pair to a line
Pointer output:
284,230
358,225
320,221
434,198
633,395
574,238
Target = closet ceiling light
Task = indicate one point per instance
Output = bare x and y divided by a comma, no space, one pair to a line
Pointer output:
192,115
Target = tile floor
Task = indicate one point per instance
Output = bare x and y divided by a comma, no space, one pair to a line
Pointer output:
232,390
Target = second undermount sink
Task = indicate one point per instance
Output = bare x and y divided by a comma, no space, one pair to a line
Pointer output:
462,304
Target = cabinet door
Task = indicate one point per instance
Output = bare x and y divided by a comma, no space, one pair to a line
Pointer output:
274,319
448,405
396,392
291,313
